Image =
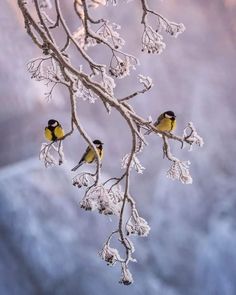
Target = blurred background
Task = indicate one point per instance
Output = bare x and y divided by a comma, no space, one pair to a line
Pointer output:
49,245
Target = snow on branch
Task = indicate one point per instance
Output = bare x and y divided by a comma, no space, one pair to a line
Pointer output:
152,40
98,82
48,152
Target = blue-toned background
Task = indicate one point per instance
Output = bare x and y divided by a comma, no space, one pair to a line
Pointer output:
48,245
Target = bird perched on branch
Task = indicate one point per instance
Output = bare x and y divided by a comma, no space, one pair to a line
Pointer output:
165,122
89,156
53,131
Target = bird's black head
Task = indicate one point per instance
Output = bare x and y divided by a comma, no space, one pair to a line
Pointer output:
170,115
97,142
53,123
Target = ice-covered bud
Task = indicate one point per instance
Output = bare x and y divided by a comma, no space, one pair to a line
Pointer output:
110,255
152,41
119,68
91,198
109,32
180,170
174,29
108,205
99,198
88,204
137,225
126,277
82,179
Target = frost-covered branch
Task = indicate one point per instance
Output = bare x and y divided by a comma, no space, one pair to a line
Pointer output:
152,39
92,81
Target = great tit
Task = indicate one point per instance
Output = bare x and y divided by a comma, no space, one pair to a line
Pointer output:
89,156
53,131
166,122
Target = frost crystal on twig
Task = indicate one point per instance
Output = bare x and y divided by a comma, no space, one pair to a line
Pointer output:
108,33
180,170
137,225
85,93
191,136
47,157
108,83
110,255
146,81
126,277
152,41
119,68
99,198
83,40
117,194
134,163
83,179
173,29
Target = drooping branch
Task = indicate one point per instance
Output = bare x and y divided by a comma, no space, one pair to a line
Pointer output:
55,68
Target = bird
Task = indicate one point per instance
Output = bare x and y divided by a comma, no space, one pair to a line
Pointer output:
53,131
89,156
166,122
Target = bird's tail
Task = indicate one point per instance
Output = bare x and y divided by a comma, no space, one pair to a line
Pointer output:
77,166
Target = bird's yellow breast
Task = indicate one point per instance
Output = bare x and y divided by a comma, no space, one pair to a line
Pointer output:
59,132
166,125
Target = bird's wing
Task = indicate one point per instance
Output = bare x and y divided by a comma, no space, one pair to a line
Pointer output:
83,159
85,154
48,133
158,120
59,132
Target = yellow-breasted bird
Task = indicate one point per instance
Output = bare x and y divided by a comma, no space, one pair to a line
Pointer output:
89,156
166,122
53,131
